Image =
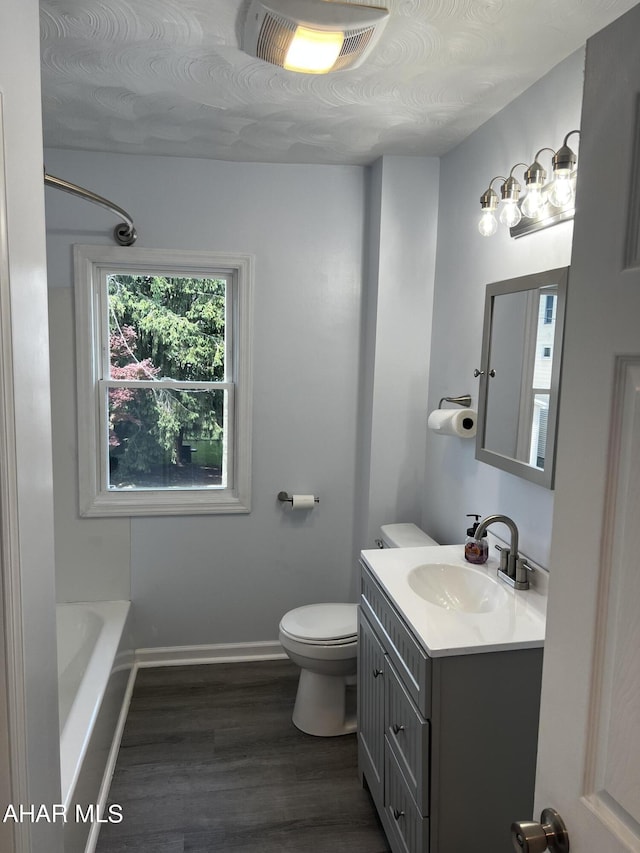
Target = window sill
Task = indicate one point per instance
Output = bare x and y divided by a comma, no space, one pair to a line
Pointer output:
152,502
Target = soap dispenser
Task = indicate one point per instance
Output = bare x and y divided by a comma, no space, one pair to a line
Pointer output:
475,550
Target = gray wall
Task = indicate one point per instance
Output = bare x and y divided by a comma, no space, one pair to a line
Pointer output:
226,579
402,250
455,484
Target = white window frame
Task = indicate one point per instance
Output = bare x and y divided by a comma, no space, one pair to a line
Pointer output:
92,264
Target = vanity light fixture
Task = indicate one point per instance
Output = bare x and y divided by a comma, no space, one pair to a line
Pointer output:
543,204
312,36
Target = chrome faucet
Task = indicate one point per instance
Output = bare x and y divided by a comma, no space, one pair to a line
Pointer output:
513,569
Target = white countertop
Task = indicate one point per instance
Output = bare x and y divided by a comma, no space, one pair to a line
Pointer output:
518,623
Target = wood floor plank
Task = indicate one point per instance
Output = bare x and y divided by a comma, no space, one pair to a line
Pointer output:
154,842
210,762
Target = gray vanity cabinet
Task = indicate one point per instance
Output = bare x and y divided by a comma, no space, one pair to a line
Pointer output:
446,746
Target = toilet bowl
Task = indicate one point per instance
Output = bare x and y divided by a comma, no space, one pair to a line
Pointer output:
322,639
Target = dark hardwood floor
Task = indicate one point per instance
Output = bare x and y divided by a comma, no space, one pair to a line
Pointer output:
210,762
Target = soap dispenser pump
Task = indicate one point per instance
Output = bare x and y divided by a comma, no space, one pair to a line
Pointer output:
475,550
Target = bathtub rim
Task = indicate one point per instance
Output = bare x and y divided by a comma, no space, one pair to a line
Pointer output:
76,734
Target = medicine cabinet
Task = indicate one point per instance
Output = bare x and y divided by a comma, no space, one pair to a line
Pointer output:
520,374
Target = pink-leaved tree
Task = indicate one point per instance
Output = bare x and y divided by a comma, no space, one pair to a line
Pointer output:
124,404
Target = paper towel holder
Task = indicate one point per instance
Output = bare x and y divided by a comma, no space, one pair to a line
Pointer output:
285,497
463,400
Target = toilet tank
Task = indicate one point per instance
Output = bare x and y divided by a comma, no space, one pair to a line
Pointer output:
404,536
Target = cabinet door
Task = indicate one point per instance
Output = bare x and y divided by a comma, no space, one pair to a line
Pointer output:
371,675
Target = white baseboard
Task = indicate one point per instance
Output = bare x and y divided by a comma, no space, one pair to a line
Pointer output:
221,653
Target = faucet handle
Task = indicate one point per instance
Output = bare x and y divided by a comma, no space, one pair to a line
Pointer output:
504,557
522,570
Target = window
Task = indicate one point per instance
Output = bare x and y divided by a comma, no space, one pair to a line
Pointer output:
164,381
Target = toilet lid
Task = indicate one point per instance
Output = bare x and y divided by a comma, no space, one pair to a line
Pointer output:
322,622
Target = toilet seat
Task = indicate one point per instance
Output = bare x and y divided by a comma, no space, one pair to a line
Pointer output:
322,624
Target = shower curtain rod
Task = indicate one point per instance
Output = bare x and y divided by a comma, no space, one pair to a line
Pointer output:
124,233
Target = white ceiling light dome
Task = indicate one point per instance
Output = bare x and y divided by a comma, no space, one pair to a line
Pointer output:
312,36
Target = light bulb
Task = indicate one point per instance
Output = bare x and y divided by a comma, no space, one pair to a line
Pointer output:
562,191
313,51
488,224
510,214
532,203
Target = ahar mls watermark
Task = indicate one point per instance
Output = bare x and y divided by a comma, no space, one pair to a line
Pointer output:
58,813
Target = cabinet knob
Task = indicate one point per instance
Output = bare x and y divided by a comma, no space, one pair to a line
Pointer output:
377,672
398,814
397,729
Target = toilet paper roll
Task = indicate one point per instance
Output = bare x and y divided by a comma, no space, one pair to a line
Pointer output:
303,501
460,422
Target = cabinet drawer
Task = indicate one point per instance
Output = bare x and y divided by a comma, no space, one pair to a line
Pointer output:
411,662
408,736
410,829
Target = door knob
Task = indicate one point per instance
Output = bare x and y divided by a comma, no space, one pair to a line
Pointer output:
550,834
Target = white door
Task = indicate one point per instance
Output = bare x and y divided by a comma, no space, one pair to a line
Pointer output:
589,748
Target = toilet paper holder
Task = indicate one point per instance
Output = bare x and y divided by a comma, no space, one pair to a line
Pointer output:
285,497
463,400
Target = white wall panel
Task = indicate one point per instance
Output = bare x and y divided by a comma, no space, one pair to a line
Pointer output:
93,556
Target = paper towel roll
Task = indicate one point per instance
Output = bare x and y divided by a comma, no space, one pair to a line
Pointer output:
460,422
303,501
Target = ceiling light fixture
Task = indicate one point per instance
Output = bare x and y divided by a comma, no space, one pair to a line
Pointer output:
544,203
312,36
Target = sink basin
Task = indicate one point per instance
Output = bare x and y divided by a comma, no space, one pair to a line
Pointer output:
456,588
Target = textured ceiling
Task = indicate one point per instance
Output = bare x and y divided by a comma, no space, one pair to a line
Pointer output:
169,77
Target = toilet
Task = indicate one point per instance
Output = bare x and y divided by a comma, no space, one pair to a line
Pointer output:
322,639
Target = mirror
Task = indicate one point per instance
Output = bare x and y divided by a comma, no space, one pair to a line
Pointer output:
520,374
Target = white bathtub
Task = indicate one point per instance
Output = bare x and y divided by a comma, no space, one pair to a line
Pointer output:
95,662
